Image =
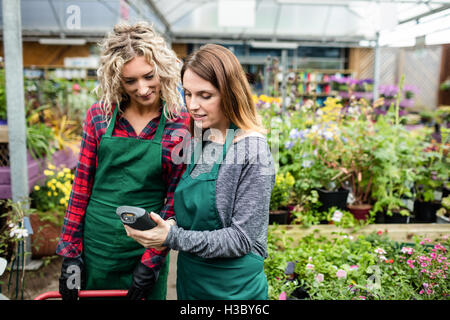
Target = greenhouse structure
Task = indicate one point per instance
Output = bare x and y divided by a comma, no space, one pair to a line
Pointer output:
349,98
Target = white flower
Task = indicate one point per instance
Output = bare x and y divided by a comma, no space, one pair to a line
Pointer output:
380,251
337,216
319,278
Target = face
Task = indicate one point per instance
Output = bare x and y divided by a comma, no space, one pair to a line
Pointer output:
141,83
203,102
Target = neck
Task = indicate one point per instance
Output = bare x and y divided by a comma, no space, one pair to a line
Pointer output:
219,138
144,110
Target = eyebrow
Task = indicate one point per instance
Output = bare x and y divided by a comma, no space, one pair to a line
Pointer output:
200,92
145,75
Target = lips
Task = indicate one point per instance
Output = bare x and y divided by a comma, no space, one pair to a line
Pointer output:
198,117
146,97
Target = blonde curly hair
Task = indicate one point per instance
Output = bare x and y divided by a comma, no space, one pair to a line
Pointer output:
123,44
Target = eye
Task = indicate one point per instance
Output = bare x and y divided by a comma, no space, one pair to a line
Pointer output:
129,81
149,77
206,96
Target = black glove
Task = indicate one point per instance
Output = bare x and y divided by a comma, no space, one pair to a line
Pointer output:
144,279
72,275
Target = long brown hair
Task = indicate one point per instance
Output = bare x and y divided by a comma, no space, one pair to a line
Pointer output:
220,67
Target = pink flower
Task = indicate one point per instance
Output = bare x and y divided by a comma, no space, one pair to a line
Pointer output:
310,266
319,278
354,267
362,297
407,250
341,274
282,296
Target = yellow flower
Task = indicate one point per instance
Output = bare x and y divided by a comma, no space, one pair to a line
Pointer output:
60,174
48,172
51,167
49,194
37,188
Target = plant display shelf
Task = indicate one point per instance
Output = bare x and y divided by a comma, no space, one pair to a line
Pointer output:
396,232
315,83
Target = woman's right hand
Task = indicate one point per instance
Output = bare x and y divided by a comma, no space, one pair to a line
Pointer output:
72,278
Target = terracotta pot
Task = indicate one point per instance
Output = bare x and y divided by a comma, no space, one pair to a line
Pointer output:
44,238
360,211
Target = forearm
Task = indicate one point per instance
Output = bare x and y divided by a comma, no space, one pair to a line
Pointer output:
222,243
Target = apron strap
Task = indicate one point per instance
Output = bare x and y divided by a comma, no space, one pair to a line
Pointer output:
161,125
231,132
110,129
159,129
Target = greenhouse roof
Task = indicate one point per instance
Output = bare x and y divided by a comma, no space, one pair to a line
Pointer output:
263,23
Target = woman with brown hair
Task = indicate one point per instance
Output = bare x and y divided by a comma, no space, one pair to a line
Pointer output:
125,159
222,200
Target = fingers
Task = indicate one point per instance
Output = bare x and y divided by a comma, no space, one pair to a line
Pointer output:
157,218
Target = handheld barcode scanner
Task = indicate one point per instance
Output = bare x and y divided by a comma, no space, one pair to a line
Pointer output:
136,218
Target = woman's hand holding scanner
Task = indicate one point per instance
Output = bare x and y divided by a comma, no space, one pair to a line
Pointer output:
155,237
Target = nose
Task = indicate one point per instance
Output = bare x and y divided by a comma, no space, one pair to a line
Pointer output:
142,88
193,104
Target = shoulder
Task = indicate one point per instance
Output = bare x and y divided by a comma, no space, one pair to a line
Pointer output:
252,148
177,128
181,120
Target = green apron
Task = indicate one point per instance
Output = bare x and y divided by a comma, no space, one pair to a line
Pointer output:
128,173
241,278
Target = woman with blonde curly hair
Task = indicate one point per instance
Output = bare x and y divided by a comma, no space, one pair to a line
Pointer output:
125,159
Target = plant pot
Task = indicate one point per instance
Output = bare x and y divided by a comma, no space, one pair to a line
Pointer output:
44,238
425,212
442,219
396,217
332,199
278,217
360,211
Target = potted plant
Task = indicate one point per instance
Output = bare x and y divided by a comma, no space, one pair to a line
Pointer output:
12,235
360,159
50,200
432,174
443,214
399,153
280,198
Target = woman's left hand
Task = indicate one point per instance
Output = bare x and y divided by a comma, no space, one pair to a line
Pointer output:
153,238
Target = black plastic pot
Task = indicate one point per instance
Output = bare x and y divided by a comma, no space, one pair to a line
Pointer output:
332,199
425,212
279,217
396,218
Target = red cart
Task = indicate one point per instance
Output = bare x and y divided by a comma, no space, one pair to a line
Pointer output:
85,294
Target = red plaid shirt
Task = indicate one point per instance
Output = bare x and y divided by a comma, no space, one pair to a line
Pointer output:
71,240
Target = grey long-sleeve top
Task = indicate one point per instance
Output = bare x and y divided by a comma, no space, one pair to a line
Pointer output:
243,189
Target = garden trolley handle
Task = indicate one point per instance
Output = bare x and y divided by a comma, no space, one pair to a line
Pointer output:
85,294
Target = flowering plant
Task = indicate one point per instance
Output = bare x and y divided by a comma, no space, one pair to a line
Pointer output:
281,193
14,229
432,170
53,196
366,267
